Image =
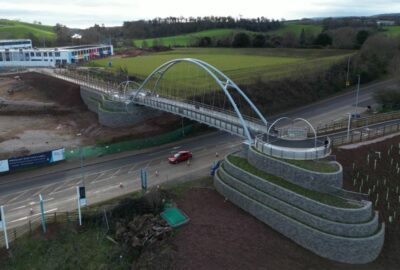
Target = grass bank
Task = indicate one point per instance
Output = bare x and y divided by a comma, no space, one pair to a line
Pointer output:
314,195
244,66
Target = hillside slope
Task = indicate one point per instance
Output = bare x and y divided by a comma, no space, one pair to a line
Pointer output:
189,39
14,29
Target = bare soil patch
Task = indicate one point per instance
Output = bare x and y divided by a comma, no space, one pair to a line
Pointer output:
24,133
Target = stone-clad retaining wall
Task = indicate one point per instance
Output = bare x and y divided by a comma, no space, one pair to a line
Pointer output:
338,248
324,182
345,215
114,113
91,99
317,222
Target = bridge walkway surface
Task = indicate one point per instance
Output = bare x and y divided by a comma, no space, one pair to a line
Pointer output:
223,120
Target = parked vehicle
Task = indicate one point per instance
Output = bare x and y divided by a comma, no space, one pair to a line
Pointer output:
180,156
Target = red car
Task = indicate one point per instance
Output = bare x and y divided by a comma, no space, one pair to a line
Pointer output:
180,156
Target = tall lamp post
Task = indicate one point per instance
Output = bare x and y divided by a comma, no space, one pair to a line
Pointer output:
358,90
348,70
81,162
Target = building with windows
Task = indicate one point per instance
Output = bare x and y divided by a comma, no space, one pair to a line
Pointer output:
16,44
51,57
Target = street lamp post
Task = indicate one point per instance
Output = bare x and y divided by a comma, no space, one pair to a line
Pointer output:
348,70
81,162
348,126
358,90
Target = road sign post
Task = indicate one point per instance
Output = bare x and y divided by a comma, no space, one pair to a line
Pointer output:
3,225
42,213
81,195
143,178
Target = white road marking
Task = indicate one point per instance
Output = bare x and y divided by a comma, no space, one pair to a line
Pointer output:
63,190
101,180
40,191
17,197
113,175
100,174
105,189
17,208
26,217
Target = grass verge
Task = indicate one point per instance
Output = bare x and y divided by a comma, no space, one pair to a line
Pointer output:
66,248
312,165
324,198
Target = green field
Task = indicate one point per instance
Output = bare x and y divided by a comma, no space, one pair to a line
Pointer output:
244,66
297,28
15,29
393,31
188,39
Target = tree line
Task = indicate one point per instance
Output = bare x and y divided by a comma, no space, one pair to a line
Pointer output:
341,33
161,27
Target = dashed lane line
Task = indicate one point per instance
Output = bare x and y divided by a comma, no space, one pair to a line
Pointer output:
65,188
19,196
35,215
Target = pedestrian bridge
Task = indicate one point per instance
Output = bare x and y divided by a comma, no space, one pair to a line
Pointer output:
208,96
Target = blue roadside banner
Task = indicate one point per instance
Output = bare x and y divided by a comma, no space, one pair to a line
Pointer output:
32,160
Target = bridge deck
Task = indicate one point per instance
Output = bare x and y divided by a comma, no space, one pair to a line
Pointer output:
224,120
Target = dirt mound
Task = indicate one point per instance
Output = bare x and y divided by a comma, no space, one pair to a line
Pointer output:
133,52
130,52
61,92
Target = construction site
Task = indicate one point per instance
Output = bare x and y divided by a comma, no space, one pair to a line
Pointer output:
39,113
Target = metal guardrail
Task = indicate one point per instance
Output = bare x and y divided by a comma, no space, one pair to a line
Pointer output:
357,122
356,136
310,153
228,124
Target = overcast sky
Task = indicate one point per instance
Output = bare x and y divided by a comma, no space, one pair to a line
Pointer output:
84,13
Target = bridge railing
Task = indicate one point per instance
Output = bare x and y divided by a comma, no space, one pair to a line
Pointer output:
193,105
367,134
110,88
342,124
321,150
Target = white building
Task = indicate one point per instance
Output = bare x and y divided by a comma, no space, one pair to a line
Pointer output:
52,57
15,44
385,23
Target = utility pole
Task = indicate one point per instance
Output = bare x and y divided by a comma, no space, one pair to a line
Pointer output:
358,90
348,126
348,71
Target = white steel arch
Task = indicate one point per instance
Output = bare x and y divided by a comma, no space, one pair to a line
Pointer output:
222,81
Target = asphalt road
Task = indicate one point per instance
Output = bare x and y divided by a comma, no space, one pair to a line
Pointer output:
114,175
103,176
337,107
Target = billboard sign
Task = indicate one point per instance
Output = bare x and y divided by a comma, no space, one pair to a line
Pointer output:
4,166
36,159
57,155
